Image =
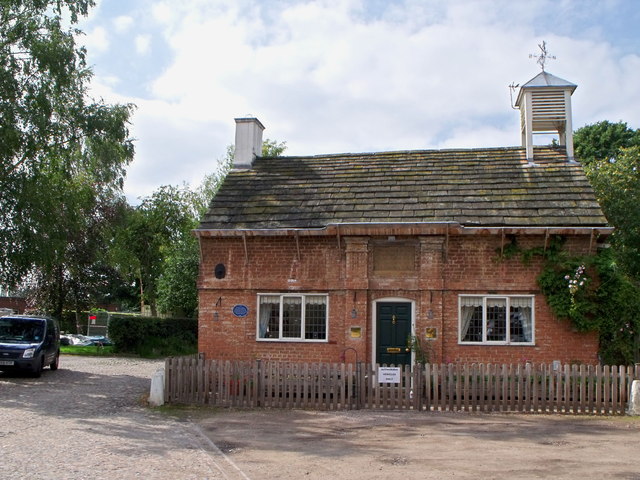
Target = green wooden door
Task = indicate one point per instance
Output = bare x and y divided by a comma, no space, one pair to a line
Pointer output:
393,327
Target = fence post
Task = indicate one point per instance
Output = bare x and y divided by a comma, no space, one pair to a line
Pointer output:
257,378
356,392
167,379
634,398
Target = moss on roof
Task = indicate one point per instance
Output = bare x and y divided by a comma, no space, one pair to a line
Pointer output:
479,187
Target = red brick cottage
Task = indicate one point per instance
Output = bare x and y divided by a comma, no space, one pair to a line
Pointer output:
306,258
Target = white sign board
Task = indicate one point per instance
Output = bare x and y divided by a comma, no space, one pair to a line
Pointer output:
388,374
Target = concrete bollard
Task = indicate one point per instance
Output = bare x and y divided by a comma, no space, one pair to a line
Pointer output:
156,395
634,400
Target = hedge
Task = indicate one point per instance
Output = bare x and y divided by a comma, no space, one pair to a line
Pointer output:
150,336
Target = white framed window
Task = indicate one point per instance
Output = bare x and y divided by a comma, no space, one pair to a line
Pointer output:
293,317
496,319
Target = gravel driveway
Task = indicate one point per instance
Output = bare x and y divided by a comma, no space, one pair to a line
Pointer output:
89,420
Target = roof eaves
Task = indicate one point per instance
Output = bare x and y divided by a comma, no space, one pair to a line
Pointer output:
416,228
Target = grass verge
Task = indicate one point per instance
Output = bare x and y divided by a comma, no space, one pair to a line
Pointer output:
91,350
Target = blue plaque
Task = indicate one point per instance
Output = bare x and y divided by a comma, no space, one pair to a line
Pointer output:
240,310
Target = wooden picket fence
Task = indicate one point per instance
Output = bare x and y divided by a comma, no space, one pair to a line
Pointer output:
530,388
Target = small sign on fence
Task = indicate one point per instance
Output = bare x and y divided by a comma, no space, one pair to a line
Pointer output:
388,374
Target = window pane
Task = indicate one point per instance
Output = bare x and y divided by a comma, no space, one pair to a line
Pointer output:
269,317
521,328
291,317
471,323
504,319
497,319
315,318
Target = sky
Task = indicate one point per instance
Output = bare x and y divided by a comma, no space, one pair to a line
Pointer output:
340,76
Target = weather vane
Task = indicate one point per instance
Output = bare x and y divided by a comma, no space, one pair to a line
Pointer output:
542,58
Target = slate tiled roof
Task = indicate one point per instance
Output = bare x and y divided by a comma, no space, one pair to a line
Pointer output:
479,187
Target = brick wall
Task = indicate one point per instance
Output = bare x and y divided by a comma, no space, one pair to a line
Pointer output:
17,304
345,270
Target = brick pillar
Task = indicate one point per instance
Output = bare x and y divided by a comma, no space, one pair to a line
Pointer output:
357,265
431,285
356,294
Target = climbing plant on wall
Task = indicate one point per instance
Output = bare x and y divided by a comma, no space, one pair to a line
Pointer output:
593,293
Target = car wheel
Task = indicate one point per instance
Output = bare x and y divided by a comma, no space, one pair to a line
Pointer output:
56,362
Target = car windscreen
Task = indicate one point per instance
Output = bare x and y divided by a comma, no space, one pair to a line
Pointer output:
21,330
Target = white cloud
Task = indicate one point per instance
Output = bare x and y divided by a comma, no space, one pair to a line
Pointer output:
143,44
96,40
163,12
123,23
175,149
335,76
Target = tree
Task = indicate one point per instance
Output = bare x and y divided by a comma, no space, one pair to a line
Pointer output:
602,141
177,285
62,155
616,183
611,154
70,270
149,231
273,148
43,85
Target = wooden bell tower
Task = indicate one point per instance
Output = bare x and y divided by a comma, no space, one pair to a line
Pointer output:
545,108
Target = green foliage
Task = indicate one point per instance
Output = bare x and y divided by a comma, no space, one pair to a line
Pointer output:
177,288
573,301
209,187
160,347
602,141
273,148
617,187
153,337
593,293
617,301
512,250
147,235
68,322
88,351
596,295
602,293
270,148
62,154
422,353
176,284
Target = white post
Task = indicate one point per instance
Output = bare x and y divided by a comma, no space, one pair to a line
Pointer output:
156,395
634,400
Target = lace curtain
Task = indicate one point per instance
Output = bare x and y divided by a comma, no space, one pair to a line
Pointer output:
267,303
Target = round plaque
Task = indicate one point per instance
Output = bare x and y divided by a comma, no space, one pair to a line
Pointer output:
240,310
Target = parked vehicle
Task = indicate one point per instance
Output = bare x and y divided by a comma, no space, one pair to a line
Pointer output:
29,343
77,340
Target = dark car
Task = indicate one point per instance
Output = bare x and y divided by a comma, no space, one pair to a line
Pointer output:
29,343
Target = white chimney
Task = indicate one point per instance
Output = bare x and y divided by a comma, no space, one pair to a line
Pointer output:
248,141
